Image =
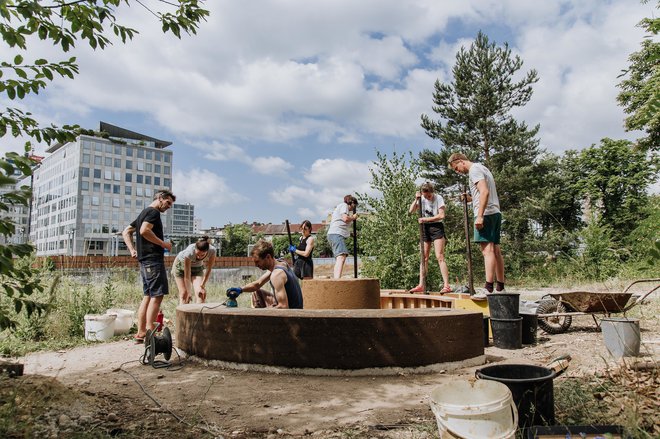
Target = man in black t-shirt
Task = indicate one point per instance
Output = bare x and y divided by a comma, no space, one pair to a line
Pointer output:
150,254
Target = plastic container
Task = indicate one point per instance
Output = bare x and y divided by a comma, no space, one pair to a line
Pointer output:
507,333
530,324
621,335
474,410
532,390
99,327
123,320
504,305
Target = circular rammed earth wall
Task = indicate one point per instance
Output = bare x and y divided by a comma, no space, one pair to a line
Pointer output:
329,339
362,293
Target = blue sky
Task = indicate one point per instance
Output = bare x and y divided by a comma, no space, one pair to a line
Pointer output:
276,108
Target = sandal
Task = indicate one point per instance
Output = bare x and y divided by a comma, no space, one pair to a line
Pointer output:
446,289
138,339
417,289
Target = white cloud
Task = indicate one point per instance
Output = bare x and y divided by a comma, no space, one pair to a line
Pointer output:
229,152
202,188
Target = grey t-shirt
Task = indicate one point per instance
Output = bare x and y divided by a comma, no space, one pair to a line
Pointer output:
337,225
477,173
189,253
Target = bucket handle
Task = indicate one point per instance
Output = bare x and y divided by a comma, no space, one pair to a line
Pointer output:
506,435
559,365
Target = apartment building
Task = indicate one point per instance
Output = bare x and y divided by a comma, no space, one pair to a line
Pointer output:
85,192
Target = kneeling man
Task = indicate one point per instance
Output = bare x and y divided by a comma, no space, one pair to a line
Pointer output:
285,284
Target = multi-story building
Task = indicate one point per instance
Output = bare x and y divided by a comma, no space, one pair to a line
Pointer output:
17,214
183,219
86,191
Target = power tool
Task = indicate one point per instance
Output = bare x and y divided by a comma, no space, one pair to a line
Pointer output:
232,294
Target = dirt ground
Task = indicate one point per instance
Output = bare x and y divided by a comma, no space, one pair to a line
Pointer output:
103,389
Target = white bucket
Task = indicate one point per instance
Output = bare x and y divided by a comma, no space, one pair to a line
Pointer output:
99,327
124,320
621,335
474,410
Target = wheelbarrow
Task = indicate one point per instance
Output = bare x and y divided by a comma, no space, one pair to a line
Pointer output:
555,311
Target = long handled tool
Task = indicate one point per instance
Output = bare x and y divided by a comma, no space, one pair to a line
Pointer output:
421,245
355,245
288,232
467,241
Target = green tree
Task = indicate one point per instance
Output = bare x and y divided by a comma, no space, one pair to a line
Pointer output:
19,280
640,92
615,180
281,243
322,246
63,23
476,106
390,234
236,239
475,118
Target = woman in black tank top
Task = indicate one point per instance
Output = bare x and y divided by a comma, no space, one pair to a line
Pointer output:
304,265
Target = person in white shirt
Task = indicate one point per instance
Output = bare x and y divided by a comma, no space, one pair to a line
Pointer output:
192,267
433,231
487,220
338,231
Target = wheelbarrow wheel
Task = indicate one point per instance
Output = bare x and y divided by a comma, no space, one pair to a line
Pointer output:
553,325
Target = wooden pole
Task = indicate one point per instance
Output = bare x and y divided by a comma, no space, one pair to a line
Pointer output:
468,247
288,232
421,244
355,245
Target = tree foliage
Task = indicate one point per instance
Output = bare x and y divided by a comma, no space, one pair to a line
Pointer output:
476,106
390,235
63,23
236,239
640,92
18,281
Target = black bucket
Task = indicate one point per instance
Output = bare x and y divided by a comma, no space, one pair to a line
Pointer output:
530,323
503,305
486,330
507,333
531,388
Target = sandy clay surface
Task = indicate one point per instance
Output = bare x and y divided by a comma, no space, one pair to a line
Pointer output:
195,400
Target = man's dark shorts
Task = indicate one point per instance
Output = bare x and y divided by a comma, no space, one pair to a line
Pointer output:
491,229
154,278
433,231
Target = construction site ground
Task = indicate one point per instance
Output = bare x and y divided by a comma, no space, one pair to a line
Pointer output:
103,389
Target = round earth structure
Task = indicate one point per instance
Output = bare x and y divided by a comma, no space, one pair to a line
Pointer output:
329,339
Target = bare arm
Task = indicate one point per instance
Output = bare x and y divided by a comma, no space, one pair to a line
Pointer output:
187,278
434,219
308,249
209,267
254,286
482,187
278,280
146,231
127,234
415,205
348,218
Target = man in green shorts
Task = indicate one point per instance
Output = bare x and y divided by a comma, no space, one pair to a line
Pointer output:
487,220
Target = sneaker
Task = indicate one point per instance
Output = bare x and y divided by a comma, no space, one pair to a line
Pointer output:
417,289
482,294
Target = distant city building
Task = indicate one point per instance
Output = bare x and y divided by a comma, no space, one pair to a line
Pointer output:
183,220
16,214
86,191
197,225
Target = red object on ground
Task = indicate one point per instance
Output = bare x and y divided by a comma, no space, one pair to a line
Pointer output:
159,320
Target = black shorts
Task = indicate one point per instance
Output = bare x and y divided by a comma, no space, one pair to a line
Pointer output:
433,231
303,268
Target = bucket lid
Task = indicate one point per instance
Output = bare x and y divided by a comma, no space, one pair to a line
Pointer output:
102,317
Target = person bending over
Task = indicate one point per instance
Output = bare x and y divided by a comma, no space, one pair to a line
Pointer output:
193,267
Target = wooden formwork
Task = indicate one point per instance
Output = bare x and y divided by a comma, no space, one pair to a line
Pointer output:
402,301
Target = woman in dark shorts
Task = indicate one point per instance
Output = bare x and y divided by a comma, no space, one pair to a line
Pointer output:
433,212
